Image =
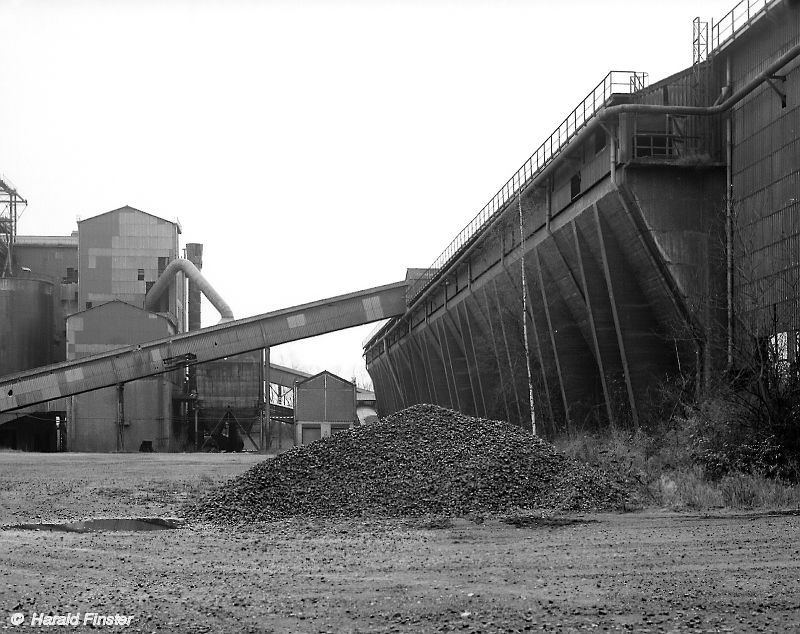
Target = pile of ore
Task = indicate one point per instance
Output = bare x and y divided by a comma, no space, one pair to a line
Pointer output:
420,461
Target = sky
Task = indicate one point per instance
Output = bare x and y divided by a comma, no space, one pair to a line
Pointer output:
314,148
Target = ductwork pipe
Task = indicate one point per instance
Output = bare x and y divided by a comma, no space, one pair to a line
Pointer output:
192,272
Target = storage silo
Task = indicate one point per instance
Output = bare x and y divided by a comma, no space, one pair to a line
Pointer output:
26,324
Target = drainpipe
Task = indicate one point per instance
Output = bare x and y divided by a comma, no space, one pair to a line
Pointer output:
120,417
729,222
193,273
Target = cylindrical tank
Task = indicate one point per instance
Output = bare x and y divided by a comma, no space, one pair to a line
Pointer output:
26,324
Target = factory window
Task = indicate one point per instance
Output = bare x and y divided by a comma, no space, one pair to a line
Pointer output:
88,305
162,264
72,276
575,185
140,275
654,146
599,141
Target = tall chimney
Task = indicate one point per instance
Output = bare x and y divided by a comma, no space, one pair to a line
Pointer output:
194,253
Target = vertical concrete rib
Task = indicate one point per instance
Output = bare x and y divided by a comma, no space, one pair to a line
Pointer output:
615,314
438,348
579,249
461,347
529,314
424,346
556,358
474,356
396,379
446,349
540,356
419,357
508,351
386,396
414,397
487,317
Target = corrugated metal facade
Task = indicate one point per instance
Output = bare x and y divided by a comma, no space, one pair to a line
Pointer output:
93,424
122,253
766,180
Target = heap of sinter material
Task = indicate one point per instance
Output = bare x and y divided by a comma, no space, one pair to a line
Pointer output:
419,461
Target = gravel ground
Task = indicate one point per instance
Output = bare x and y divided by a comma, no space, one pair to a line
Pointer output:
643,572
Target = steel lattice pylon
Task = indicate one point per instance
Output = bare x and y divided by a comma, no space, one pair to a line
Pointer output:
10,200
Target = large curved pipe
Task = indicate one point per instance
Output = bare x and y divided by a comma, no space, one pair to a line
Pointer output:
190,271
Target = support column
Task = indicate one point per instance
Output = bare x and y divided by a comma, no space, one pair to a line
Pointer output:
266,415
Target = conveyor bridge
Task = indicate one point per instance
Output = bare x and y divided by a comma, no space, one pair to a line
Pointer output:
129,363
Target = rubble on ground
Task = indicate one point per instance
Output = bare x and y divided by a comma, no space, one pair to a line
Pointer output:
420,461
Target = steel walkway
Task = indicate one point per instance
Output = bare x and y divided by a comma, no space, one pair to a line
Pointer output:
129,363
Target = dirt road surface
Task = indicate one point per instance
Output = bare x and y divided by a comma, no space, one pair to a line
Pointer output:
651,571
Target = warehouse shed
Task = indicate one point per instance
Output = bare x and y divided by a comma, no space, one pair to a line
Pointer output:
323,405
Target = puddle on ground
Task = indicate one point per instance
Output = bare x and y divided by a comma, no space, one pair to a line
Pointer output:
527,521
103,525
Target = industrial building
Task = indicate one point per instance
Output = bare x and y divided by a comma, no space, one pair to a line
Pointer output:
118,281
654,234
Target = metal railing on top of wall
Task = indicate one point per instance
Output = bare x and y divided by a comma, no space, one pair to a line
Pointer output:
737,19
616,82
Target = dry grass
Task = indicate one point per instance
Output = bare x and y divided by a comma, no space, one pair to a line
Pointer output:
662,469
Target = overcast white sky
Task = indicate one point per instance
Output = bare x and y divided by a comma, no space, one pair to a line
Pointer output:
314,148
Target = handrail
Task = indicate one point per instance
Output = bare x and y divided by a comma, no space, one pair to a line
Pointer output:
615,82
737,19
